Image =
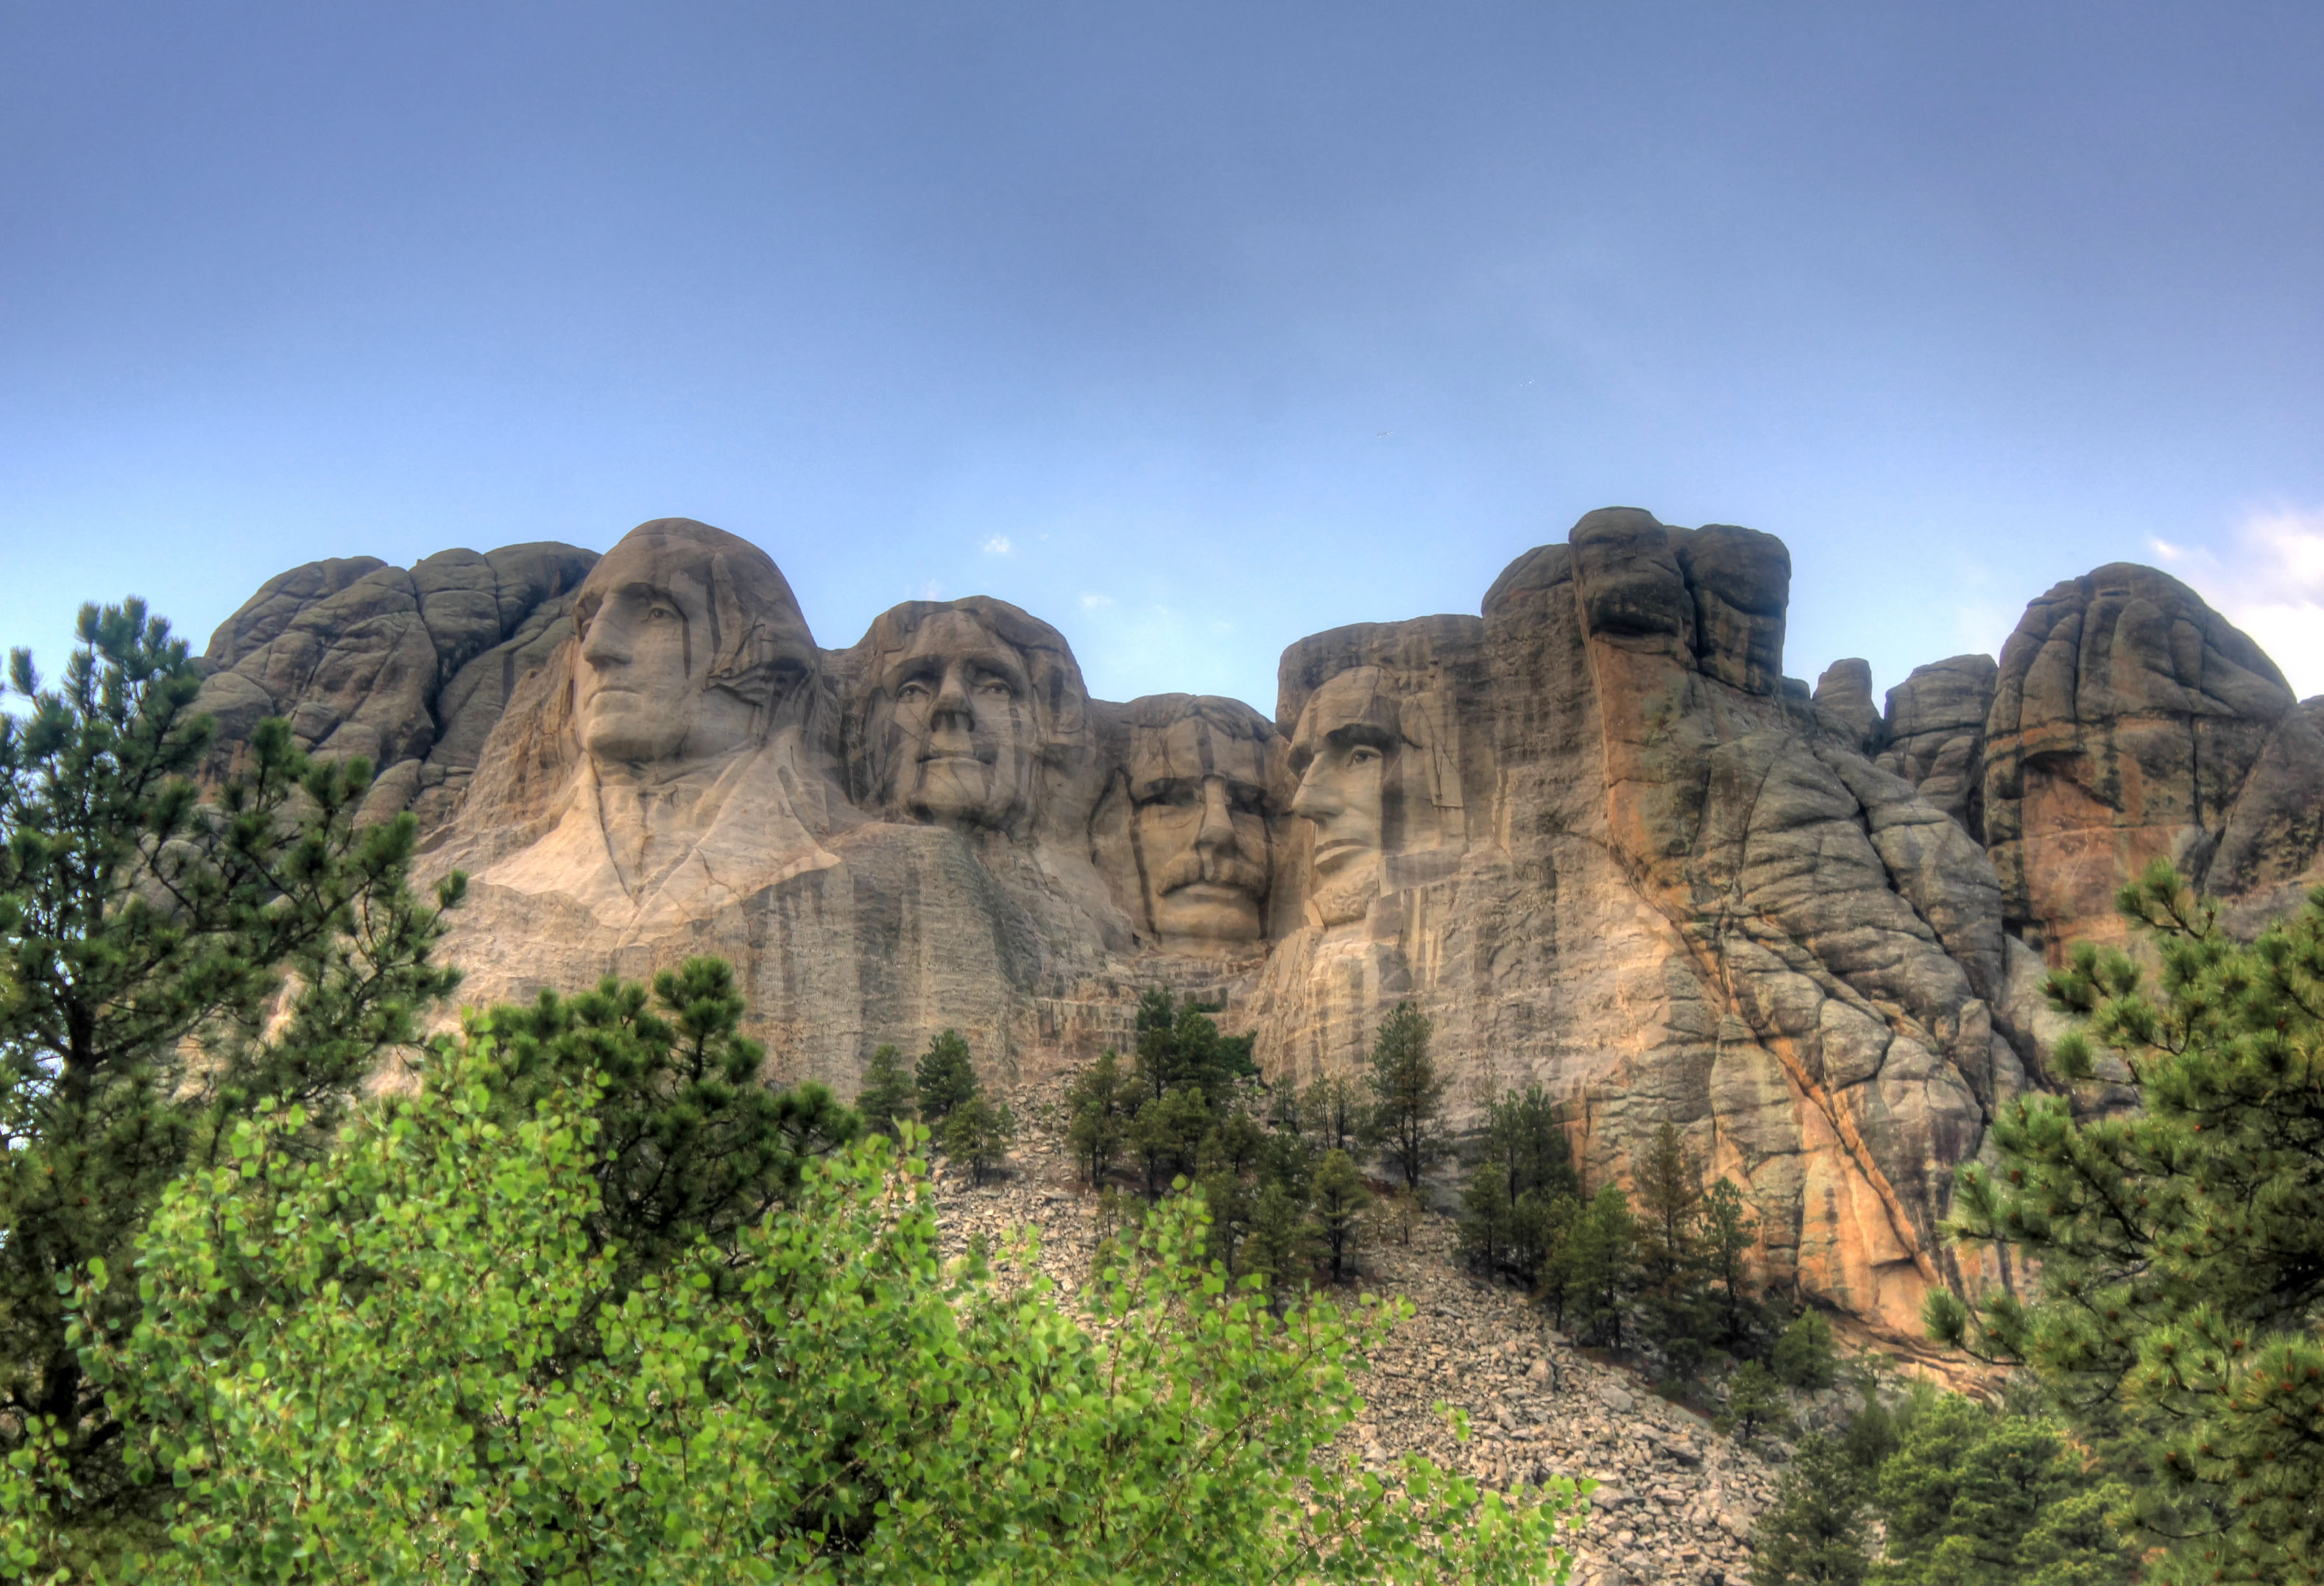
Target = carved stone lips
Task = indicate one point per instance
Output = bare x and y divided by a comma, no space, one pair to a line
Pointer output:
1340,848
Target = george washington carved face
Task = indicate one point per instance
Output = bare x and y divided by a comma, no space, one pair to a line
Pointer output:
1198,786
688,645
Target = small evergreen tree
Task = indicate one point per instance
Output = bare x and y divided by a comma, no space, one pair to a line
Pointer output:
1169,1133
1728,1232
1338,1198
1669,1183
1814,1533
1282,1243
980,1134
1755,1401
1803,1356
1235,1144
1406,1118
1599,1266
888,1097
1333,1111
944,1078
1488,1218
1099,1114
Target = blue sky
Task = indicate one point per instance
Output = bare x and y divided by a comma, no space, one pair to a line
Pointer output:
1193,328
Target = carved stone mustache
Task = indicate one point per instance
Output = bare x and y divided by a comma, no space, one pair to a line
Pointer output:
1218,869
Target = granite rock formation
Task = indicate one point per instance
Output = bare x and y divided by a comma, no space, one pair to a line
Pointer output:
1593,832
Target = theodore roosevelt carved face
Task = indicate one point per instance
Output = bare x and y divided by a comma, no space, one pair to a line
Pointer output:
1198,787
688,645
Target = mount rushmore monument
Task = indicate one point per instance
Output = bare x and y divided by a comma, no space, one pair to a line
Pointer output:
1593,832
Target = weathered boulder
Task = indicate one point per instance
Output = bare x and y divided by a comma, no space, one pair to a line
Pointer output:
1934,735
378,661
2131,721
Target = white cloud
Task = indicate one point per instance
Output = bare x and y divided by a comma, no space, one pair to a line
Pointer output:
2275,592
2271,584
998,546
1096,603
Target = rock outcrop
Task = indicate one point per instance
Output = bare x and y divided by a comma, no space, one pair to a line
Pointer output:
408,667
1593,832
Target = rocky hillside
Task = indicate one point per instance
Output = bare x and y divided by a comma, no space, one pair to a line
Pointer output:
1675,1501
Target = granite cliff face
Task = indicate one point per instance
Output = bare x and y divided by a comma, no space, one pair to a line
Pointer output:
1595,832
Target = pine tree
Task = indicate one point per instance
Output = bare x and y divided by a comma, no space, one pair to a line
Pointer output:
1281,1243
692,1144
944,1077
146,935
1406,1118
888,1096
1488,1218
1598,1275
1728,1232
1813,1534
1755,1401
1973,1496
980,1134
2174,1316
1098,1106
1168,1134
1803,1355
1669,1183
1334,1112
1338,1198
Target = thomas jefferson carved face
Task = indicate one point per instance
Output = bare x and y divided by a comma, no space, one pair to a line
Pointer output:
961,729
1198,785
1346,738
689,645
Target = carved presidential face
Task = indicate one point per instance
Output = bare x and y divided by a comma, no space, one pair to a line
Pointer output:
684,649
962,733
1343,793
1199,792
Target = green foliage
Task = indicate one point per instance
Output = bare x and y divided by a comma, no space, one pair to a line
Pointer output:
1098,1106
1168,1134
1976,1498
1729,1232
2181,1247
890,1096
1814,1533
1754,1403
1597,1269
1671,1293
1340,1198
1406,1120
1334,1111
944,1078
1180,1048
979,1134
690,1144
1510,1207
338,1375
147,938
1803,1356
